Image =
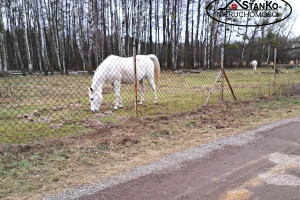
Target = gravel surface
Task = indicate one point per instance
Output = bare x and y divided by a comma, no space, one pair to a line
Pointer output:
172,162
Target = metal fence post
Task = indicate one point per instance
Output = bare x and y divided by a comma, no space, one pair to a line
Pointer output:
134,58
222,79
274,79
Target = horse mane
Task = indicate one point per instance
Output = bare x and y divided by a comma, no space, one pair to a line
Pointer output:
99,73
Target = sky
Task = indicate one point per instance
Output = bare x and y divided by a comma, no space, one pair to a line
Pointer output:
296,11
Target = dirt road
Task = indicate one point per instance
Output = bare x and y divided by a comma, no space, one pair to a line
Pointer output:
267,167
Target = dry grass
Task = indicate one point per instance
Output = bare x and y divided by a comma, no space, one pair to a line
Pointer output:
46,168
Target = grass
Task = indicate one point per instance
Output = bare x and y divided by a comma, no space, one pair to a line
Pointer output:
66,97
48,167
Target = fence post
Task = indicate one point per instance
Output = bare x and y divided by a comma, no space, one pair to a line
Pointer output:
222,79
274,79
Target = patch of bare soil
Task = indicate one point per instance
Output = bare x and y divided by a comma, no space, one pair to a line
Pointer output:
113,148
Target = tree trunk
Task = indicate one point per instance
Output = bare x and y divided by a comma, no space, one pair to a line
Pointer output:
112,32
164,35
117,30
62,36
3,61
17,53
55,35
196,53
140,26
174,36
134,28
145,28
91,32
78,40
44,54
187,62
150,28
104,29
123,27
37,35
156,28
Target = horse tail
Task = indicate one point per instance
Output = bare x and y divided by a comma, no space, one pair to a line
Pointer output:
156,67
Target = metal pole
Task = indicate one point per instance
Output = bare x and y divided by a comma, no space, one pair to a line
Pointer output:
212,89
222,79
274,79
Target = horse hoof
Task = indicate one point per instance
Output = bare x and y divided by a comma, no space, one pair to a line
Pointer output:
121,106
115,108
140,103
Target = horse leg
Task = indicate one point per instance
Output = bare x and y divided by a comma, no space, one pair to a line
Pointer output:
151,82
117,86
120,101
142,84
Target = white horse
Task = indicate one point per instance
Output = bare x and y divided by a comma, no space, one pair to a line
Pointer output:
117,70
254,64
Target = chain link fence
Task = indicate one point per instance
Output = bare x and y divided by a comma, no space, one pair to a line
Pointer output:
35,107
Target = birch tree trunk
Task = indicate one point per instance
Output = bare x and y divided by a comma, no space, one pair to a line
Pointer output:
244,45
173,29
156,28
16,49
104,29
78,39
145,28
42,26
123,27
186,44
202,42
134,28
196,53
3,62
140,27
150,28
91,32
112,26
55,36
62,36
37,35
117,28
25,36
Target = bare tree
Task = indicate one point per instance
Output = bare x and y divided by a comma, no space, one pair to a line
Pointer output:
124,6
187,58
3,63
91,33
78,28
44,54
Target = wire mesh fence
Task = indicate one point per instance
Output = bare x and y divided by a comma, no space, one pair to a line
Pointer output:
36,107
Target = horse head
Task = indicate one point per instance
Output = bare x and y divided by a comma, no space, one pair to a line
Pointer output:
96,99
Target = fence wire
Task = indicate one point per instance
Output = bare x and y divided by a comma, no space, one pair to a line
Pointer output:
35,107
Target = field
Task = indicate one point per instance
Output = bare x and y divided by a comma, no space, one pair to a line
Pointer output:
36,107
61,144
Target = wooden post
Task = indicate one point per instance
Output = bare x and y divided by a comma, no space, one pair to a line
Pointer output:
229,85
274,79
